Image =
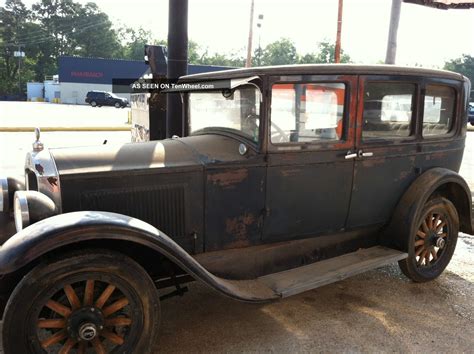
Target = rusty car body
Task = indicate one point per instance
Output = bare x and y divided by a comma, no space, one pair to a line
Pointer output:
287,179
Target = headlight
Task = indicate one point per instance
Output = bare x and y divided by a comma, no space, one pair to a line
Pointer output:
21,211
30,207
4,202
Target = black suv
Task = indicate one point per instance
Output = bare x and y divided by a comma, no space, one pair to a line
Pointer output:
103,98
470,117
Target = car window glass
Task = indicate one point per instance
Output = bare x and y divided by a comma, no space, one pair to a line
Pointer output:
310,112
388,110
438,110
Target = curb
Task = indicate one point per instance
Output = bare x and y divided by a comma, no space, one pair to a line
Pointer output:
65,129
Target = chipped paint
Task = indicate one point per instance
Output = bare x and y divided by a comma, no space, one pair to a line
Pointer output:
228,179
238,226
39,168
53,181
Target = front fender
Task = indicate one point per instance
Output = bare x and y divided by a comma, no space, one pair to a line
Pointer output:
65,229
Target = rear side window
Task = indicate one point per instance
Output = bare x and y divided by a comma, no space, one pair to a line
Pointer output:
388,110
307,112
438,110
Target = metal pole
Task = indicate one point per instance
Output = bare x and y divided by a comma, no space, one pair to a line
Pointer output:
337,54
392,32
248,62
19,69
177,62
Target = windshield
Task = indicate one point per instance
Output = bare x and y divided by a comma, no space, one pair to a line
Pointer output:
237,111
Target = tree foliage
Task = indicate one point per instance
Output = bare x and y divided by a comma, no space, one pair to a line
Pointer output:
51,28
463,65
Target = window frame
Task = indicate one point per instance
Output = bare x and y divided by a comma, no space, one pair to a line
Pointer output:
454,124
346,141
414,127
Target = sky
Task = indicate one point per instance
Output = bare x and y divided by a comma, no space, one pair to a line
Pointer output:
426,36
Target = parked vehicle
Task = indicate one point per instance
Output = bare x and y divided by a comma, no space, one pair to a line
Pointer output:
102,98
282,183
470,116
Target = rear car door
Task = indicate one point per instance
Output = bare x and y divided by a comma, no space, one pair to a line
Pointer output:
309,177
386,144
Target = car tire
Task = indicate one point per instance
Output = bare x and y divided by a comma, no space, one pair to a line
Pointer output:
117,105
103,298
431,245
93,103
472,123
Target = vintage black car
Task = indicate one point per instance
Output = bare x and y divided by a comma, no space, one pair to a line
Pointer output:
287,178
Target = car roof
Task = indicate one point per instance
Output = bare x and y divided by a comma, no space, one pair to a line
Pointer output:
326,69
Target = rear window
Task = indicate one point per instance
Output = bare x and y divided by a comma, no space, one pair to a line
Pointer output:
438,111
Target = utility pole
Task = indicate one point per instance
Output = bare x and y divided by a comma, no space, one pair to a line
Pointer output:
18,54
248,62
392,32
177,63
337,50
259,26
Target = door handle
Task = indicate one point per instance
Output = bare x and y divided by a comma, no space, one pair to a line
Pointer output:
361,153
350,155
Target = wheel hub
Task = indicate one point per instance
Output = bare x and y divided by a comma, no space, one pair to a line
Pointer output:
85,323
440,242
87,331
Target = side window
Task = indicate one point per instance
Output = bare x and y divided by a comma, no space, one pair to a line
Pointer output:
309,112
388,110
439,110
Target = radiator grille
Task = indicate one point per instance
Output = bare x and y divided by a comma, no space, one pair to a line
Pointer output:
162,207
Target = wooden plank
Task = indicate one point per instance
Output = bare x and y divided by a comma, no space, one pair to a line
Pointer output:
314,275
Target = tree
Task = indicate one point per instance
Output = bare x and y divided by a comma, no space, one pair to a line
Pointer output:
134,41
93,34
282,51
463,65
13,18
198,55
325,54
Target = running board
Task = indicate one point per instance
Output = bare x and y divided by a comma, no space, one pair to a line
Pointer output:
297,280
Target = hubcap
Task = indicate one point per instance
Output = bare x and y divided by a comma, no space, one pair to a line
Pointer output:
440,242
87,331
430,239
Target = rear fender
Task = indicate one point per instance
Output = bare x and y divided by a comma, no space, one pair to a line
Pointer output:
72,228
436,180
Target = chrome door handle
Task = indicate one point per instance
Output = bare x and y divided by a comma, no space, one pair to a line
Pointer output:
361,153
350,155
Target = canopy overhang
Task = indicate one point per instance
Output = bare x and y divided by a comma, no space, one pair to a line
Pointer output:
444,4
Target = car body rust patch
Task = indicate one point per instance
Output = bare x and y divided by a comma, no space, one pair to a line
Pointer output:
229,178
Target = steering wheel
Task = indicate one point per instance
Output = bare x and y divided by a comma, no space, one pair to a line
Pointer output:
279,136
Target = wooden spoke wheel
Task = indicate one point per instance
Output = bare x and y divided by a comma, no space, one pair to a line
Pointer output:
431,238
433,241
91,303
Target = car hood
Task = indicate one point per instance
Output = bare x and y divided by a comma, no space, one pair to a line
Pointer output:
195,151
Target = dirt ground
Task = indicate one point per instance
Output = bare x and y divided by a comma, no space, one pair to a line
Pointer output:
379,311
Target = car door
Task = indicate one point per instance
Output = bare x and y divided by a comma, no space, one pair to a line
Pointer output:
101,98
309,165
386,144
109,99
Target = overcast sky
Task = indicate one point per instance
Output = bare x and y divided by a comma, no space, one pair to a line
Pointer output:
426,36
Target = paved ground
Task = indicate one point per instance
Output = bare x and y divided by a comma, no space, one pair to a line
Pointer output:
379,311
49,114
